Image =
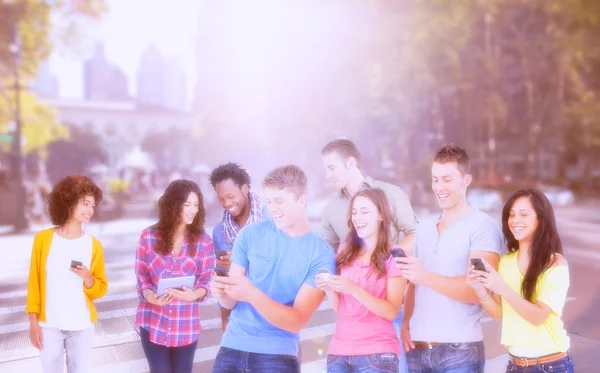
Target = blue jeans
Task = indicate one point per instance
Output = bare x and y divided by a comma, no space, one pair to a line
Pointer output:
375,363
402,367
448,358
162,359
564,365
234,361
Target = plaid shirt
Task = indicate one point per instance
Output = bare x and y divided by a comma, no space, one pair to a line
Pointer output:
177,323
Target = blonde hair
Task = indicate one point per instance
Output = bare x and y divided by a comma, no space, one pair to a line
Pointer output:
289,177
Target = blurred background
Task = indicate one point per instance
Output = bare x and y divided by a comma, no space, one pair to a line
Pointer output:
136,93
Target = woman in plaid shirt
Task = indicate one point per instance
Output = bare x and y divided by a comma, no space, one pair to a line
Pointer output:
176,246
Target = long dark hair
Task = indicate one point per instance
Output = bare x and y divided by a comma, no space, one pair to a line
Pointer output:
546,242
170,206
354,243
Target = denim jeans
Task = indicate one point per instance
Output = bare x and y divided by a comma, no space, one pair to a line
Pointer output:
402,367
375,363
77,345
162,359
564,365
234,361
448,358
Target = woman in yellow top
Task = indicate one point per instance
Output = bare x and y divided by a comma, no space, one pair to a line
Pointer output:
65,276
530,288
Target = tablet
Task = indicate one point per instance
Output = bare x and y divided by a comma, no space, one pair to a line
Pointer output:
174,283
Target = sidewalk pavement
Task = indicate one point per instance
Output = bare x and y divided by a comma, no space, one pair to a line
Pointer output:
19,245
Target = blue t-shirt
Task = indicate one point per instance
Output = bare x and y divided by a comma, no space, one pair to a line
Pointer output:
219,242
278,265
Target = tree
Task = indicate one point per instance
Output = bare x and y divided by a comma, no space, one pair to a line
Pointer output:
34,28
74,155
40,125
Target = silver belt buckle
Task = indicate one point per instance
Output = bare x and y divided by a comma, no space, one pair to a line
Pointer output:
525,359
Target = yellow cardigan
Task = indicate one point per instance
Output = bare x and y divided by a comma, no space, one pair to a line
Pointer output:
36,286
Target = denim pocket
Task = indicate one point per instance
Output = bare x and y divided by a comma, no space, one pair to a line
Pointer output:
560,366
331,359
384,362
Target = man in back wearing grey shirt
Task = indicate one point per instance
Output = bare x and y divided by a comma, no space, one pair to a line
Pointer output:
441,329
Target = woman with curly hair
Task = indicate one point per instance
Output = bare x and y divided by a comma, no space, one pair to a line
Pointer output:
65,277
176,246
368,292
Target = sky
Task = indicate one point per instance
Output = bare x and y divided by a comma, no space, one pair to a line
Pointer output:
126,30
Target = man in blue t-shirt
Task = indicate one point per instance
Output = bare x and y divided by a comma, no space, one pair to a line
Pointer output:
242,207
271,285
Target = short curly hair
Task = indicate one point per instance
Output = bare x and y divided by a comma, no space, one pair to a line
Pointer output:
231,171
66,195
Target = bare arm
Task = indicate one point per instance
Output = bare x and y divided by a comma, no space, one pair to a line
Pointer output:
534,313
291,319
223,299
334,299
387,308
407,243
456,288
409,303
491,303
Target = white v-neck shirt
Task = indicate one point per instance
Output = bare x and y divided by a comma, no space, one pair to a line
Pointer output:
66,306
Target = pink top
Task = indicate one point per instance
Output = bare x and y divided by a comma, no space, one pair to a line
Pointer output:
359,331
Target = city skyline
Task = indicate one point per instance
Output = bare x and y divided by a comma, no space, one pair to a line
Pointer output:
172,30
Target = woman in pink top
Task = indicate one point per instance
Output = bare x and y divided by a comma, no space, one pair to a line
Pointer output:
368,291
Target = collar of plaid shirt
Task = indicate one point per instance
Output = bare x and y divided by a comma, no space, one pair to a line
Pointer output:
230,227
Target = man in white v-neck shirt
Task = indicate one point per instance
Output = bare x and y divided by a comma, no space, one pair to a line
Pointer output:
441,330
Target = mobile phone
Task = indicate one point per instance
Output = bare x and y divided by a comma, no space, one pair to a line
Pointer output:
221,272
75,263
478,264
398,252
220,253
324,273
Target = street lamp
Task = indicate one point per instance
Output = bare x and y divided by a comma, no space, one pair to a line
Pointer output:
20,221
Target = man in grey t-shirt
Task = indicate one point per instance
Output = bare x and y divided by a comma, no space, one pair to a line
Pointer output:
441,330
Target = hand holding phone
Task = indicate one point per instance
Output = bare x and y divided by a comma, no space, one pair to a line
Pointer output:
75,263
221,272
220,253
478,264
398,252
324,274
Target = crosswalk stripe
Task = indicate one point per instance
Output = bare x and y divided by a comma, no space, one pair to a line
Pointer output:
206,353
206,324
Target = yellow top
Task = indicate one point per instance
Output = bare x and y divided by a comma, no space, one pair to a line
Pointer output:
517,333
36,286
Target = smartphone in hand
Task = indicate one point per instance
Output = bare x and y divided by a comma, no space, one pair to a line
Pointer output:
221,272
478,264
398,252
75,263
220,253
